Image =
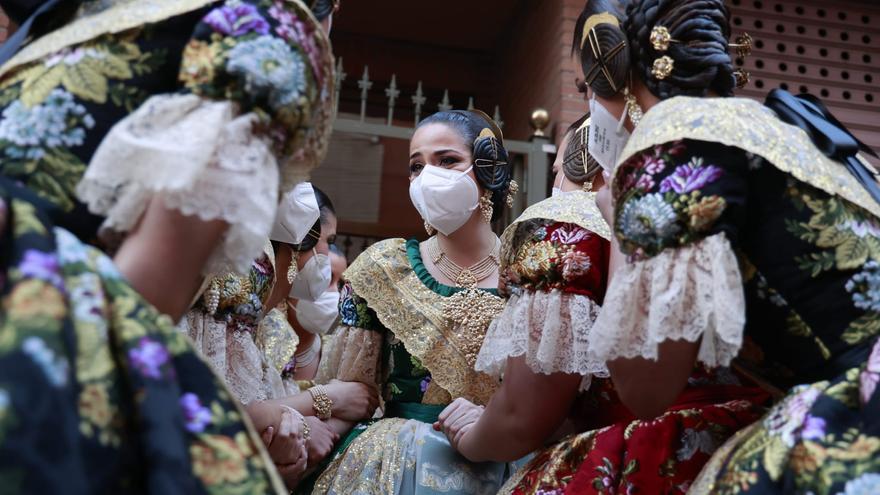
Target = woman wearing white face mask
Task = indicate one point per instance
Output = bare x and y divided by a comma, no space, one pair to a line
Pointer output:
311,320
413,317
240,327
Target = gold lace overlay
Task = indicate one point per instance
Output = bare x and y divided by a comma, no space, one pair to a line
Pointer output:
577,207
383,277
376,450
752,127
276,338
87,25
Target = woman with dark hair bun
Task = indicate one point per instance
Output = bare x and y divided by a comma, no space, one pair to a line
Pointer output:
740,241
414,316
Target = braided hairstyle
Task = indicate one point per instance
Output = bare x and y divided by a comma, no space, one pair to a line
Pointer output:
491,162
702,60
700,54
608,37
578,165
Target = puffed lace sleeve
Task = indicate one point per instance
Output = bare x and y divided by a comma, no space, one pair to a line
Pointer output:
250,120
679,208
557,281
352,353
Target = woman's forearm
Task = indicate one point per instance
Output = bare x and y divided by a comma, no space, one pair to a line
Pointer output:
522,415
163,256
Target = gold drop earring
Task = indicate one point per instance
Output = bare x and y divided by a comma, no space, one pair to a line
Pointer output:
486,206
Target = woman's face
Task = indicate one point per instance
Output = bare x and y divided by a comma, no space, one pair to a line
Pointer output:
439,145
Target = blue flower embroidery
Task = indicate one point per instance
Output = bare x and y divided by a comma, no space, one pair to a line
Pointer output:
269,67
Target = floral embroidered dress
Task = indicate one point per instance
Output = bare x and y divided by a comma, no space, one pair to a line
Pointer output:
743,235
129,100
394,335
556,257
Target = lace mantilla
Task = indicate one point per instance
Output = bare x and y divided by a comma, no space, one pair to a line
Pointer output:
752,127
680,294
219,170
550,329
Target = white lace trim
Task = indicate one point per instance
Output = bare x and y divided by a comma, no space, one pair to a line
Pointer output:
202,158
550,329
680,294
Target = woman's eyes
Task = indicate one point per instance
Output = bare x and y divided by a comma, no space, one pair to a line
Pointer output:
445,162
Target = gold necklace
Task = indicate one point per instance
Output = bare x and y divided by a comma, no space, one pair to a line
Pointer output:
464,277
472,309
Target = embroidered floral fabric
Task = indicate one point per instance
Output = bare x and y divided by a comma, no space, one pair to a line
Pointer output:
99,393
244,80
619,454
807,261
558,281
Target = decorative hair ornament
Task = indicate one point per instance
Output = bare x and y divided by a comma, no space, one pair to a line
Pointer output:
662,67
660,38
589,35
743,45
429,229
742,78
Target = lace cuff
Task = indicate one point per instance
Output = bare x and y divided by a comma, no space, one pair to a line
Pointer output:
681,294
550,329
202,158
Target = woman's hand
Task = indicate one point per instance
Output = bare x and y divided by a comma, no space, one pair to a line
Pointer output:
457,419
606,204
321,440
286,444
352,401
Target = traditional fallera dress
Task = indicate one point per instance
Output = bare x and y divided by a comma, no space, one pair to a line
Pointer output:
198,101
248,345
556,255
744,236
396,333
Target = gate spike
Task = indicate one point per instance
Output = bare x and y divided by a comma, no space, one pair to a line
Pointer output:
418,100
470,103
392,93
497,117
444,105
365,85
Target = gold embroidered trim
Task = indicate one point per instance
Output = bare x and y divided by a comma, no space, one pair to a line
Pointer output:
577,207
383,277
752,127
126,14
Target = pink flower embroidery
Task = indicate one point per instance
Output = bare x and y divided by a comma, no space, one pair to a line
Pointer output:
575,264
871,376
654,164
569,234
645,182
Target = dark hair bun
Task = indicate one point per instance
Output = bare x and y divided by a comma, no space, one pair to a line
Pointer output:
611,44
701,30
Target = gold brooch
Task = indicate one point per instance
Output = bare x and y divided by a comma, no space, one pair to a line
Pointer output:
660,38
662,67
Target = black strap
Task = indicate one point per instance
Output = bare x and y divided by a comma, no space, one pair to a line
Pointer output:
14,42
807,113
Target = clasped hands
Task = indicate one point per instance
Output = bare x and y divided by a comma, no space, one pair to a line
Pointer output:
456,421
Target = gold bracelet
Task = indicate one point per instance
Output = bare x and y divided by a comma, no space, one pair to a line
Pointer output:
321,402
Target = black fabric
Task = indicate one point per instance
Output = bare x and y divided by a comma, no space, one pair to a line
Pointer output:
828,134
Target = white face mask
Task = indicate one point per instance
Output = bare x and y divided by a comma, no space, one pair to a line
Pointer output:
313,279
444,198
297,213
557,190
317,317
607,136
